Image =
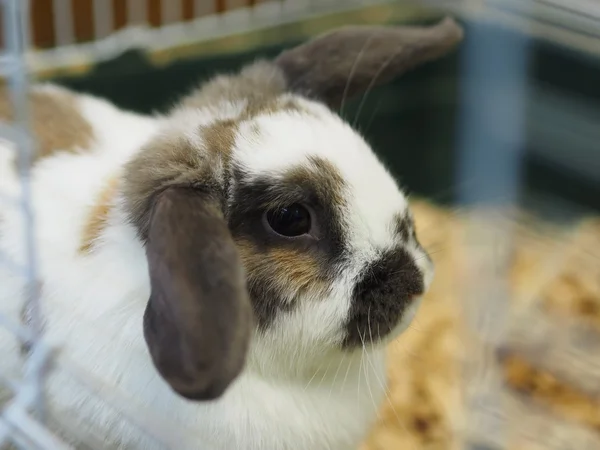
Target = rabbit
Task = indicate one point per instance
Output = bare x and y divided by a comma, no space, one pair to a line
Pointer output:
232,269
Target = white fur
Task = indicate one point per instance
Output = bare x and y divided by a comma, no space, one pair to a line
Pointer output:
297,392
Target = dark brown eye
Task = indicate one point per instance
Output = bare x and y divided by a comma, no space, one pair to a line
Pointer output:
290,221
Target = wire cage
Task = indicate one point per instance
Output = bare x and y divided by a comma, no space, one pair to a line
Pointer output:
87,31
498,111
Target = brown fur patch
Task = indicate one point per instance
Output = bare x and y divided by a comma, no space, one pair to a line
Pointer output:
255,83
276,276
283,268
220,137
55,119
323,177
98,217
260,85
167,160
269,106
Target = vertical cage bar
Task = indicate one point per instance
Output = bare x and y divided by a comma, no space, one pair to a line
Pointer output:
103,18
63,22
491,143
137,12
235,4
16,22
204,7
171,11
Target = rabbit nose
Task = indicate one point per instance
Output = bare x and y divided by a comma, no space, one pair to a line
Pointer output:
394,274
387,286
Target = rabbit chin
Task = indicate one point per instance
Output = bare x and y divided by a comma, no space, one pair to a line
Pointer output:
380,342
273,356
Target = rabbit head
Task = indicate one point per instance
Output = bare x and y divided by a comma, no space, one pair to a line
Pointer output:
269,223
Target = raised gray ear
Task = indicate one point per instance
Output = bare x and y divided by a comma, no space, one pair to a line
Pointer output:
198,320
353,59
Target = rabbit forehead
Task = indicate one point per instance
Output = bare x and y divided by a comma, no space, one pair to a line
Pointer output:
275,145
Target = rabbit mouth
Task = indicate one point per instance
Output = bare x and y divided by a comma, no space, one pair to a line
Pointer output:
385,299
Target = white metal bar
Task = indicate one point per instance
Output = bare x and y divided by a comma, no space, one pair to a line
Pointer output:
5,433
161,429
590,8
9,132
24,429
103,18
204,8
9,383
171,11
22,333
137,12
63,22
11,265
234,4
16,25
18,419
568,18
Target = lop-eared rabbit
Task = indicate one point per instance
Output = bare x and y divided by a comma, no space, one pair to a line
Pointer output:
235,266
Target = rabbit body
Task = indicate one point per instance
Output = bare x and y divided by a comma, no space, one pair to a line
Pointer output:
92,308
225,276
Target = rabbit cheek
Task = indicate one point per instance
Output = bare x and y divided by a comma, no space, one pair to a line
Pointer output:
386,288
276,277
281,272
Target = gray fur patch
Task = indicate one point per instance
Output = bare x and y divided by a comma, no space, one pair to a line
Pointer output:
350,60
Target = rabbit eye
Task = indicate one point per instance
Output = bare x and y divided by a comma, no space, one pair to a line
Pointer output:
290,221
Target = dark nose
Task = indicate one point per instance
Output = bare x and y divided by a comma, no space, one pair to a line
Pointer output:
385,289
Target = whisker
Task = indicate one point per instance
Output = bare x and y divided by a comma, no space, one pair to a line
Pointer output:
414,322
360,368
387,396
313,377
336,375
324,374
345,377
397,345
372,84
434,248
292,86
369,324
352,71
375,405
373,115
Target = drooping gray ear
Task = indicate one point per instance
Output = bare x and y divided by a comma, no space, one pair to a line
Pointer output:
198,319
351,60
